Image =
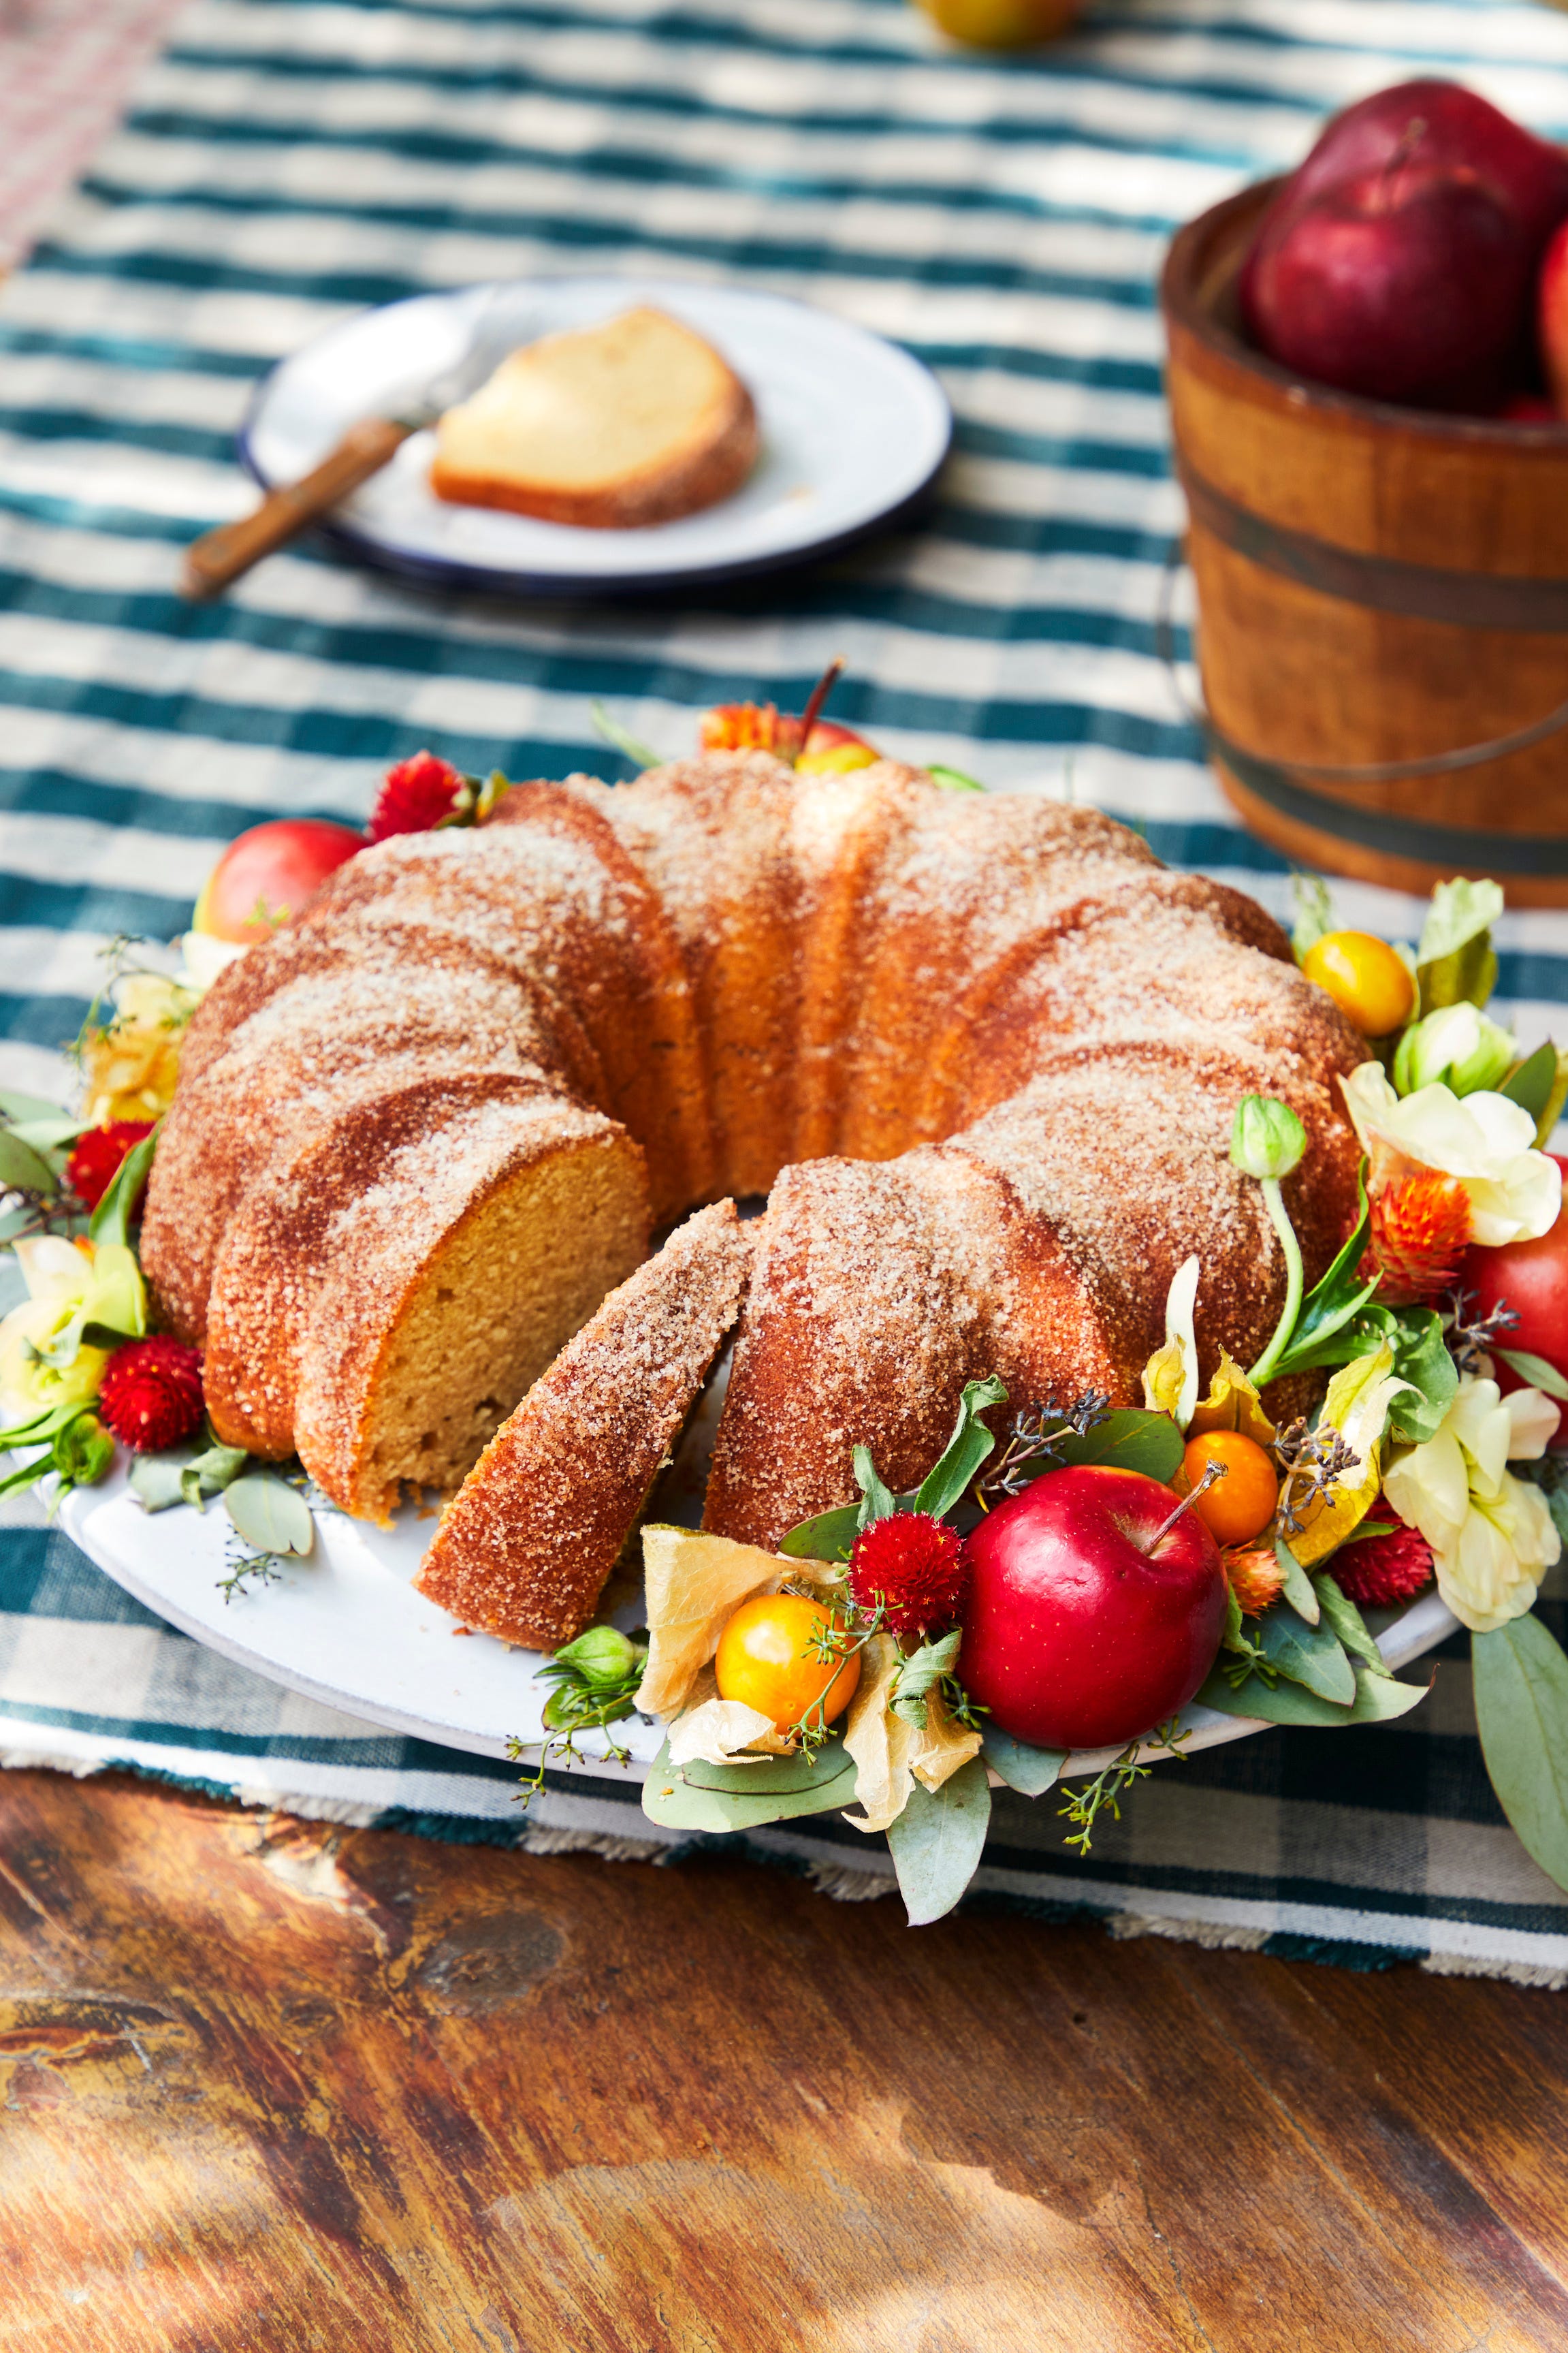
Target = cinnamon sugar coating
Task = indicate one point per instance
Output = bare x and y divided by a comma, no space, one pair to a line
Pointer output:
982,1053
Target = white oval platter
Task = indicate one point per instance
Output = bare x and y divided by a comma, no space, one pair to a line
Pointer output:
347,1628
853,429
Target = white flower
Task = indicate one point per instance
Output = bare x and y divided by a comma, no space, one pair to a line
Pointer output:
43,1360
1483,1140
1171,1375
1492,1535
1456,1041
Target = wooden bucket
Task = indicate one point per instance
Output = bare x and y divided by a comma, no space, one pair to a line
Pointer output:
1382,604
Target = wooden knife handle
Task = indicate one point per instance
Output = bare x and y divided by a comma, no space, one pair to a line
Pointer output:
221,556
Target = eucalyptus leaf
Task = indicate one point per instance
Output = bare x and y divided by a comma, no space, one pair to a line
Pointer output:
1298,1589
683,1805
269,1514
50,1136
785,1776
22,1169
830,1536
1531,1084
17,1108
877,1500
937,1840
1521,1714
1310,1655
1377,1699
966,1449
110,1220
921,1673
1346,1620
1535,1370
1129,1439
156,1479
220,1466
1031,1771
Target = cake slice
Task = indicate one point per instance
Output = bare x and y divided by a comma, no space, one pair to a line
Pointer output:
525,1548
633,422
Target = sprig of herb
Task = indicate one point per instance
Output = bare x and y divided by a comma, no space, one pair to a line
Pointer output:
1036,1436
1104,1794
595,1681
1471,1337
1320,1458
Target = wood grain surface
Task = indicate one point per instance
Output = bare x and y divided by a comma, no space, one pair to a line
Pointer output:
273,2086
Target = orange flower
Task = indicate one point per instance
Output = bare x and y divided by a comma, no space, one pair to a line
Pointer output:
750,727
1255,1578
1419,1234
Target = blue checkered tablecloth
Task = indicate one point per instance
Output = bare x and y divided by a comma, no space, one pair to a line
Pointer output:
285,163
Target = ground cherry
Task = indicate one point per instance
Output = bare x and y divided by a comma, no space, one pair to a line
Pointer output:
1368,982
766,1658
1240,1506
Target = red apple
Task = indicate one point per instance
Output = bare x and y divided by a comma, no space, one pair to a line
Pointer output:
1407,284
1552,318
1533,1278
1080,1629
266,875
1444,126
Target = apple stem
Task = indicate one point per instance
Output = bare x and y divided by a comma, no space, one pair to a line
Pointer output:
1263,1370
819,694
1212,1471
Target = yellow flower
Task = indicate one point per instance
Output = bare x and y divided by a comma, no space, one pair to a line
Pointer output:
43,1359
131,1064
1171,1375
1356,1405
1492,1535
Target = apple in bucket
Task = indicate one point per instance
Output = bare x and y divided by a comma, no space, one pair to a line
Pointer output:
1095,1610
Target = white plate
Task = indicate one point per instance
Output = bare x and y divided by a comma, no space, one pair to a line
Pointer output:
852,431
347,1628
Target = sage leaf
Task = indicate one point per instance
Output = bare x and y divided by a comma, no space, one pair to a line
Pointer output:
1310,1655
936,1842
920,1672
684,1804
1299,1589
877,1500
966,1449
1521,1714
1346,1620
1377,1699
110,1221
829,1535
23,1170
1031,1771
156,1479
220,1466
1534,1369
1531,1085
1132,1439
271,1515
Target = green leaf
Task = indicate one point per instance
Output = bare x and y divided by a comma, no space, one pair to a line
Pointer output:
1129,1439
920,1672
1421,1356
269,1514
1377,1699
937,1841
784,1777
1031,1771
156,1479
1347,1623
877,1500
641,754
1535,1370
954,780
683,1804
18,1109
1313,911
1311,1655
1531,1085
1455,963
110,1221
830,1536
23,1170
966,1449
1298,1589
1331,1303
1521,1714
104,1336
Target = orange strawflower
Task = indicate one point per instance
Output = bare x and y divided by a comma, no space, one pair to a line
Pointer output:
1419,1234
750,727
1256,1577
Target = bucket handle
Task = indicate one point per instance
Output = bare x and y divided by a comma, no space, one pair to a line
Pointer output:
1379,772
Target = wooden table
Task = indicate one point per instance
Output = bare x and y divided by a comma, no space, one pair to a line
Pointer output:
273,2086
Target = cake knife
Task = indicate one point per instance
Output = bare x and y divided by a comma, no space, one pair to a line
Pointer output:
221,556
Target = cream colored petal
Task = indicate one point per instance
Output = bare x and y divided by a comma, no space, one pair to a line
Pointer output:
1429,1487
1480,1421
1532,1424
1482,1580
53,1269
719,1729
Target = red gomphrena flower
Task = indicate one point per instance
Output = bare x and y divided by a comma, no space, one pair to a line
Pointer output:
915,1566
150,1394
95,1158
417,794
1382,1571
1419,1232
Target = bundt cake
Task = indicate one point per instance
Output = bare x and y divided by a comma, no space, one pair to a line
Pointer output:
982,1052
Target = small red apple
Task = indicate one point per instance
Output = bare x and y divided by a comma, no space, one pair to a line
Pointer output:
1446,127
1410,283
1084,1625
1552,317
266,875
1533,1278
